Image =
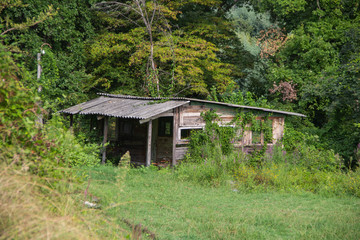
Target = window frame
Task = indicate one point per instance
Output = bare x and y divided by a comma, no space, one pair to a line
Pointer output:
162,126
187,128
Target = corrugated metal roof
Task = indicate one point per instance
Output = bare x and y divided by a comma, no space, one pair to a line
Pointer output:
124,107
202,101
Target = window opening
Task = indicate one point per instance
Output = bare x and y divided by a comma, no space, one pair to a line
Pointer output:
185,133
269,137
165,127
256,137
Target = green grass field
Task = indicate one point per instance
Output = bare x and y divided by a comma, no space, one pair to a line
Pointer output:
175,209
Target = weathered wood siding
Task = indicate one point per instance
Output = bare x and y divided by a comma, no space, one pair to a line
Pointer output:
190,116
278,128
180,153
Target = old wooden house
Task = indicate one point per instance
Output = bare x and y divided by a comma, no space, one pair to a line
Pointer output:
156,130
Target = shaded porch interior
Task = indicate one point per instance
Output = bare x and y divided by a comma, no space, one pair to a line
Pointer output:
130,135
150,142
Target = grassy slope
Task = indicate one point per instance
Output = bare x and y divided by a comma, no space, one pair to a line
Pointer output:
173,209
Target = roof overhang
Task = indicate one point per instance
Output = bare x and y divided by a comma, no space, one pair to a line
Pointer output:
141,109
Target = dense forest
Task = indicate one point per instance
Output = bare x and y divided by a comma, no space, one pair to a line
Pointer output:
297,55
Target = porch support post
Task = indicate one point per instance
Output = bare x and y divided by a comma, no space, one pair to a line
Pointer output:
175,132
148,145
106,124
71,120
117,129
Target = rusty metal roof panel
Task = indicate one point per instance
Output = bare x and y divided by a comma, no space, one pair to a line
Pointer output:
124,107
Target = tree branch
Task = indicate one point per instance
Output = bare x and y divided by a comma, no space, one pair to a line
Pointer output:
21,27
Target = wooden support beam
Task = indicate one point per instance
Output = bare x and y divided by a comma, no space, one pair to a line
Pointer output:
148,145
117,129
106,124
165,114
71,120
175,137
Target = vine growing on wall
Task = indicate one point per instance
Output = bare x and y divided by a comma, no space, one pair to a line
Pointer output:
247,121
217,136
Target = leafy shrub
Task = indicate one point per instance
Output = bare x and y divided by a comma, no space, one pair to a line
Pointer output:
74,151
303,149
204,144
306,156
211,155
214,169
25,143
284,177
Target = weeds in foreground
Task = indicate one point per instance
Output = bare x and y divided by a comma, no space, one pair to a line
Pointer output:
281,177
34,207
27,213
174,209
279,171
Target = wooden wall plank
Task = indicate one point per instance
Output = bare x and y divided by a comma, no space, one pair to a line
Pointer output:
180,152
191,115
247,137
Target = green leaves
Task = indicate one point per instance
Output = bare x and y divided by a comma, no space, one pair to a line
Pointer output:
26,145
10,25
185,61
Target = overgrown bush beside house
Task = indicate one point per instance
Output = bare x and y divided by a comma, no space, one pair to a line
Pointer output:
26,143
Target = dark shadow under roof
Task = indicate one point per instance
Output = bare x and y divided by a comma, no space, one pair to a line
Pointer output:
125,106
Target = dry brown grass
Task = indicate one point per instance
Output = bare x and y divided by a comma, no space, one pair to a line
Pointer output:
30,209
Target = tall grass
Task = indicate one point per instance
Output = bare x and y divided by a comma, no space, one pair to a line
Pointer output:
285,178
27,213
174,208
33,207
318,172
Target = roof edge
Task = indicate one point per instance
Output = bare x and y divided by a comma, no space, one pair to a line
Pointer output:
203,101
